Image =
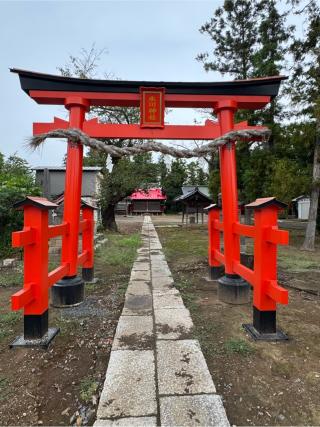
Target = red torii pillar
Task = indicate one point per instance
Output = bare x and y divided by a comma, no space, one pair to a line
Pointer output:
70,289
232,288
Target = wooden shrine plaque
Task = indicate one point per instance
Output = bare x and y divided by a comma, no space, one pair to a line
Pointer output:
152,107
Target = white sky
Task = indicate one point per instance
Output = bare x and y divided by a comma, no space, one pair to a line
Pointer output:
145,40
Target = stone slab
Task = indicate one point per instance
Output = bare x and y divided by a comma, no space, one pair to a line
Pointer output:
162,282
134,333
129,389
128,422
182,368
140,275
137,287
167,300
157,261
155,246
157,258
143,251
173,323
197,410
166,291
137,305
141,266
160,273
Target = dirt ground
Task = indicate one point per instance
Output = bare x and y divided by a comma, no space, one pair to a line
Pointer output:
61,386
261,383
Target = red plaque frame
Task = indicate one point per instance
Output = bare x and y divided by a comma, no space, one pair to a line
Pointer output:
152,106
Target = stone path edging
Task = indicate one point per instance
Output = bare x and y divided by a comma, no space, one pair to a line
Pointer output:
157,374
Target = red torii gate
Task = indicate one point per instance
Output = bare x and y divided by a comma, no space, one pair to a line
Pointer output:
78,95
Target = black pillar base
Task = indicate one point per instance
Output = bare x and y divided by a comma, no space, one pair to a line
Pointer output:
232,289
214,273
264,327
36,332
88,274
67,292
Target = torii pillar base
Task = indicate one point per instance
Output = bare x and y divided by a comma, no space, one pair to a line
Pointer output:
36,332
232,289
264,327
214,273
67,292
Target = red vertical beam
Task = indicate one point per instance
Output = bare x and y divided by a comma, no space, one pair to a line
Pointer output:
265,258
36,260
228,173
214,237
73,181
88,236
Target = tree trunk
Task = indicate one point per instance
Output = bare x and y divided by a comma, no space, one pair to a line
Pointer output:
108,218
310,236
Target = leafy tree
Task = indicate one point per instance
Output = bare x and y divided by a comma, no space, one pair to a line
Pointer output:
233,30
173,182
273,37
16,182
195,174
250,39
305,95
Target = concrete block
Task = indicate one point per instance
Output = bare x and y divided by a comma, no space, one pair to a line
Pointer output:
127,422
137,305
197,410
162,282
173,323
134,333
137,287
140,275
129,389
160,272
182,368
167,300
141,266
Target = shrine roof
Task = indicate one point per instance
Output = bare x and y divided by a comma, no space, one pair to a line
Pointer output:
151,194
194,194
265,86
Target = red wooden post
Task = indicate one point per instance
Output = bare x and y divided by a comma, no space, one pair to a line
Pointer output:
34,296
70,289
232,288
213,242
88,242
266,291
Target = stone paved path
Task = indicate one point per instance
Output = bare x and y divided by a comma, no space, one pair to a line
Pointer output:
157,374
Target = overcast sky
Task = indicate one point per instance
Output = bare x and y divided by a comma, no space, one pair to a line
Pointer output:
145,40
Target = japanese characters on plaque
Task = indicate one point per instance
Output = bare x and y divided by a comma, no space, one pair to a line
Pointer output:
152,107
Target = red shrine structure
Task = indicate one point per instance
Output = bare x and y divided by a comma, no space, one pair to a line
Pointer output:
150,201
77,96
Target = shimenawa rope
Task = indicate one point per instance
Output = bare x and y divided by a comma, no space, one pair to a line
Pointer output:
77,136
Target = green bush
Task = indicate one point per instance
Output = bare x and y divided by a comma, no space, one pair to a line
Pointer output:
16,182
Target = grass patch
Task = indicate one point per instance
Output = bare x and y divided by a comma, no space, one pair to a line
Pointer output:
7,322
11,278
119,251
185,288
88,387
121,289
238,346
184,243
68,326
204,332
4,388
294,259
